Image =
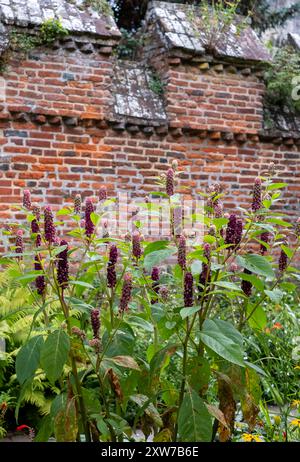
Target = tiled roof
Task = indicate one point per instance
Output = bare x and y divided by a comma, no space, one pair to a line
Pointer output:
75,17
133,96
178,26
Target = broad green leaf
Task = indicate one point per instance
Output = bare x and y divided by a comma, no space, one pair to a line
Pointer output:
140,322
196,267
64,212
82,284
258,320
257,264
223,339
186,312
125,361
198,373
228,285
159,358
155,246
279,222
28,358
122,342
272,186
275,295
54,354
194,421
150,410
95,218
289,252
66,423
28,277
157,257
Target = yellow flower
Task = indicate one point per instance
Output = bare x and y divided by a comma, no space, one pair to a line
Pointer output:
296,403
297,367
251,438
277,419
295,422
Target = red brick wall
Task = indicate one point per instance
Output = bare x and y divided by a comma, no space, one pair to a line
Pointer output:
56,141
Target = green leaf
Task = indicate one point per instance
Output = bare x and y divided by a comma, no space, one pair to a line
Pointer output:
155,246
272,186
150,410
279,222
125,361
257,264
82,284
95,219
186,312
196,267
223,339
122,342
28,277
258,320
289,252
140,322
158,360
155,258
198,373
54,354
194,421
66,423
275,295
64,212
28,358
228,285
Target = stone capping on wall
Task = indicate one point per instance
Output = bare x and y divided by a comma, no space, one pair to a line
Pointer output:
174,24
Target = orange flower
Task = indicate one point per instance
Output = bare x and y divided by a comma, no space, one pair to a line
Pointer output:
277,325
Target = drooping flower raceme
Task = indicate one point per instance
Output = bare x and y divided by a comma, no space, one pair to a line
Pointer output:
77,204
188,289
283,260
170,182
136,245
19,243
126,293
205,275
231,230
27,199
40,282
181,256
265,238
63,266
247,285
113,254
89,225
95,322
49,225
103,193
257,195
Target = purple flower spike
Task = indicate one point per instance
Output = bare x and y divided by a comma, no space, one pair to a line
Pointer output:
164,293
95,321
49,225
283,260
40,283
155,274
36,210
181,258
218,209
89,225
19,243
247,285
77,204
136,245
205,275
111,275
231,230
170,182
126,293
257,199
27,199
103,193
35,229
264,237
188,289
63,266
113,254
238,231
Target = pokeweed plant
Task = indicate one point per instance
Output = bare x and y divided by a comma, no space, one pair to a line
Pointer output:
136,334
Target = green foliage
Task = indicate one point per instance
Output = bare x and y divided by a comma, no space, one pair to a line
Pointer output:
282,78
156,85
51,30
102,6
128,45
103,361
